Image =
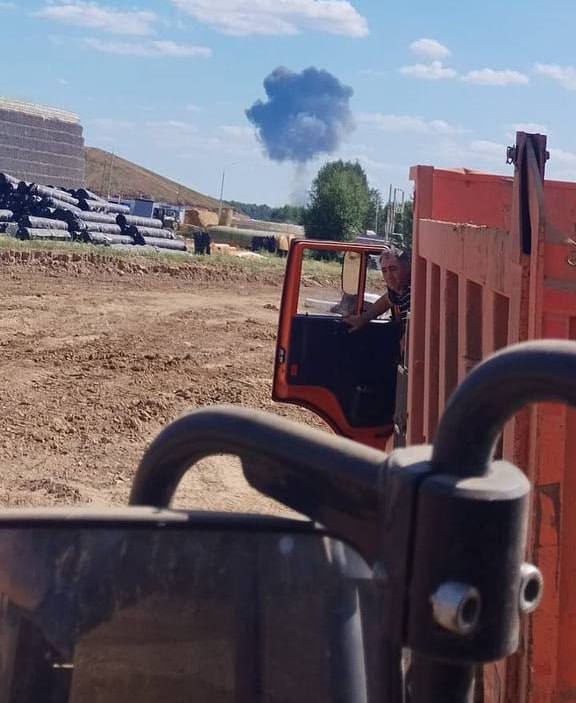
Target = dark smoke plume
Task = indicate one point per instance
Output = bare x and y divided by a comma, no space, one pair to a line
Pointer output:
306,114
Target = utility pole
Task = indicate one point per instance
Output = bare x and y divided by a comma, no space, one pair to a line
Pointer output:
389,215
221,195
112,156
234,163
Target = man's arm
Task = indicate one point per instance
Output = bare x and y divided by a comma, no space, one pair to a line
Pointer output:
356,322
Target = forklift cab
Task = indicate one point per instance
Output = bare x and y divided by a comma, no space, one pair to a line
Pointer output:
347,378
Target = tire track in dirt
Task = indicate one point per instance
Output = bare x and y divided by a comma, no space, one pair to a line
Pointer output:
95,362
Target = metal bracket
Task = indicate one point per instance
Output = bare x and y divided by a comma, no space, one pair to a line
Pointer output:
571,258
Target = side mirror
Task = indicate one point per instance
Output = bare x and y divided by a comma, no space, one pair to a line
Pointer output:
154,605
351,268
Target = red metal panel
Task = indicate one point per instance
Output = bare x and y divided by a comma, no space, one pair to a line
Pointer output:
423,201
431,349
466,279
493,291
473,198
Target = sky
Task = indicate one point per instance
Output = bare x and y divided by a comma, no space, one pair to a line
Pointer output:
166,83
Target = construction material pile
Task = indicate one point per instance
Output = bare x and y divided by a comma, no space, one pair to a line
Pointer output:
37,212
256,240
41,144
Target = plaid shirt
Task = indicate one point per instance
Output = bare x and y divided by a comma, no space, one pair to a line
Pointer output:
400,304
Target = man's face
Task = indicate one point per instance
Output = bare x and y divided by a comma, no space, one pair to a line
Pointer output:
396,274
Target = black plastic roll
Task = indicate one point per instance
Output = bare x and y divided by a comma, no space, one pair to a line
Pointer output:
157,233
93,206
103,227
28,221
85,194
7,179
117,207
61,195
149,222
103,217
159,243
32,233
60,204
132,231
108,239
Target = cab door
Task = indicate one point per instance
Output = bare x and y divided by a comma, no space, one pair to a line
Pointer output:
347,378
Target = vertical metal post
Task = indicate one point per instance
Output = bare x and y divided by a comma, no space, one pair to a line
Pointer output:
112,156
429,681
349,684
390,207
221,195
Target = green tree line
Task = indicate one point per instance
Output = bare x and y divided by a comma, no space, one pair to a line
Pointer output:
341,206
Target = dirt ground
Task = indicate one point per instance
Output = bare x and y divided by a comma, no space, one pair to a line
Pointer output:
97,354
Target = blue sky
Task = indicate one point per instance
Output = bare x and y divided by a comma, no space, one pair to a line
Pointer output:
165,82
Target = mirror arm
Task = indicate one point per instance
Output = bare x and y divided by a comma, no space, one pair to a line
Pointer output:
331,480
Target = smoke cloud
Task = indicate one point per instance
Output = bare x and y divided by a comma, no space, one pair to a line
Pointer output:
306,114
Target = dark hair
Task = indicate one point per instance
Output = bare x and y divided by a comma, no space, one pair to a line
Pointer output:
402,255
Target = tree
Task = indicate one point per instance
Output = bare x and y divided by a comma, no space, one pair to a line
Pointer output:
404,222
339,202
287,213
257,212
292,214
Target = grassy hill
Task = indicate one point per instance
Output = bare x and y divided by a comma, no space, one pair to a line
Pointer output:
132,181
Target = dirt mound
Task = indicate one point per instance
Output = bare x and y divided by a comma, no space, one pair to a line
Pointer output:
83,263
98,353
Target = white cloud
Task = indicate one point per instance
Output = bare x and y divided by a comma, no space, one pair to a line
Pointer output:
478,154
491,76
430,48
379,165
560,156
488,149
170,48
62,81
155,48
170,129
81,13
565,75
433,71
407,123
191,107
245,17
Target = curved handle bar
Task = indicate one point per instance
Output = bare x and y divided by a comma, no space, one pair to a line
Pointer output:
329,479
530,372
